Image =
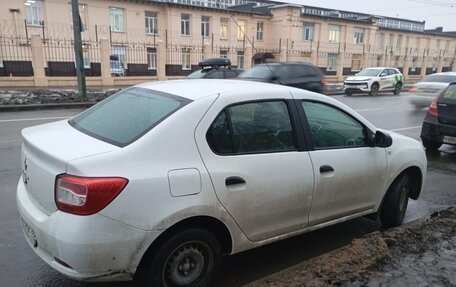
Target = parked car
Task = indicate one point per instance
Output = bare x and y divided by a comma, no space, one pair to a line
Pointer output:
439,125
165,177
374,80
217,68
294,74
423,92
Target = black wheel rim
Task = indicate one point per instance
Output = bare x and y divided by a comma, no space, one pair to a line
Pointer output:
188,264
374,90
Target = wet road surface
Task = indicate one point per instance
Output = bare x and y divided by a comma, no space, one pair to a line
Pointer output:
19,266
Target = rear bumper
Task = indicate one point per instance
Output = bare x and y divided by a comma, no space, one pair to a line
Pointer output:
435,131
94,247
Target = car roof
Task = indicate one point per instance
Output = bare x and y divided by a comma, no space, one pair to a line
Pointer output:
199,88
444,73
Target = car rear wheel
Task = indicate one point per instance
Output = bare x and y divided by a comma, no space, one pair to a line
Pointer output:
189,258
374,89
348,93
395,202
397,89
431,145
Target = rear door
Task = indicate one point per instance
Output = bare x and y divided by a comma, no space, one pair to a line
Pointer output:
259,172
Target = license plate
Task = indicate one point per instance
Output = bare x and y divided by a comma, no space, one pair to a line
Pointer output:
449,140
29,233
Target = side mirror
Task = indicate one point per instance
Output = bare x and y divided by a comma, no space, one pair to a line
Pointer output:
382,74
382,139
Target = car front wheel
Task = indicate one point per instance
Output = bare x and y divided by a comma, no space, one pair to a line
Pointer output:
374,90
189,258
395,202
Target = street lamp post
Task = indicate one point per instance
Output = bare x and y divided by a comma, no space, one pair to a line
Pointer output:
80,72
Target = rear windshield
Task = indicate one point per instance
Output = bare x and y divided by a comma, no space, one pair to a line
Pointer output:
369,72
258,72
126,116
198,74
439,79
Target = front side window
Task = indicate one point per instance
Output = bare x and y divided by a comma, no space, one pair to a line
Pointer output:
260,30
334,33
332,128
123,118
224,28
116,16
257,127
307,32
205,21
241,29
185,24
151,22
34,13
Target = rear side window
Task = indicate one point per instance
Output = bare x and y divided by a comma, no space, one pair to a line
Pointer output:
450,93
127,115
257,127
440,78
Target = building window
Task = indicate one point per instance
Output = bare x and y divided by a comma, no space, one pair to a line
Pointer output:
151,23
379,61
359,36
332,62
260,30
185,24
334,33
307,31
356,62
240,59
241,29
391,39
380,40
224,53
397,61
205,21
34,13
152,58
118,60
185,59
116,16
413,67
86,56
82,15
399,42
224,24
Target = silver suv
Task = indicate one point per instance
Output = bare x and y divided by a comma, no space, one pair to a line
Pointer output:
374,80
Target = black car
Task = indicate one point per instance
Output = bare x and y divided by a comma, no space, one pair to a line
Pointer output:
295,74
216,68
439,126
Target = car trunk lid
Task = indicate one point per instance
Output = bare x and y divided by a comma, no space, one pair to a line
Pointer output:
430,87
46,149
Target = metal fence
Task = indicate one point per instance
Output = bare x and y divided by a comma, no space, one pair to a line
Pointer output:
133,59
15,57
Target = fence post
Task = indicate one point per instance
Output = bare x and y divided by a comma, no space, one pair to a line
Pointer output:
424,63
161,61
38,61
405,67
248,54
207,52
440,61
105,54
340,62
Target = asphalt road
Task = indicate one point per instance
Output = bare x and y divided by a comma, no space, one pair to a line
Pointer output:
19,266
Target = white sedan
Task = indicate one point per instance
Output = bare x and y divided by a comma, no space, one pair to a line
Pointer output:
163,178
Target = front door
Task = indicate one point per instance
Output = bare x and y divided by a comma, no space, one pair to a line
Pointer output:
349,175
258,173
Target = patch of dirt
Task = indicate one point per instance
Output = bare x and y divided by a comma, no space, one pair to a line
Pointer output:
422,253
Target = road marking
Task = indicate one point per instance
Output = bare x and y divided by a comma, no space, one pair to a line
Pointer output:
369,110
404,129
11,140
33,119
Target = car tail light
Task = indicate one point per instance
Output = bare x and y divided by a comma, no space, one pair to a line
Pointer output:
433,107
412,89
86,195
324,82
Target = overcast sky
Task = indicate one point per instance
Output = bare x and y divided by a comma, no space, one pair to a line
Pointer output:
435,12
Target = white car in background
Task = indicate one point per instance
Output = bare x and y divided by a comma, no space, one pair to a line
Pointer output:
375,80
425,91
163,178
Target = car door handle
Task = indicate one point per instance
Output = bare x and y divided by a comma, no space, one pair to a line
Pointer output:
326,168
233,180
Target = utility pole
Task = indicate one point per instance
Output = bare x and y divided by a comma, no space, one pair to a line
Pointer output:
80,72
